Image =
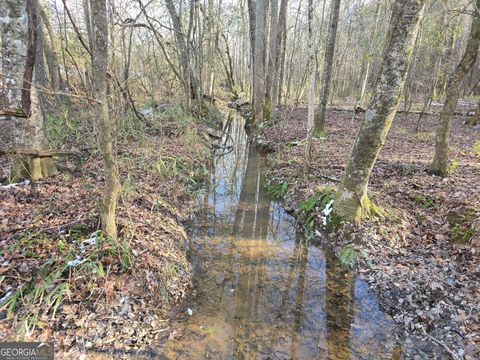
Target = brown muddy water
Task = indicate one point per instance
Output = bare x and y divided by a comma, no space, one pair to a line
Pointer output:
261,290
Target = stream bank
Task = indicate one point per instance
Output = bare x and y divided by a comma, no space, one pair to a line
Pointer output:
61,280
422,261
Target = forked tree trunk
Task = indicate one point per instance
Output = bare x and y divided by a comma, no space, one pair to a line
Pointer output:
191,84
351,202
105,125
20,50
440,160
319,124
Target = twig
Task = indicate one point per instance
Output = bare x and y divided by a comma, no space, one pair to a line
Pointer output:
330,178
442,344
40,229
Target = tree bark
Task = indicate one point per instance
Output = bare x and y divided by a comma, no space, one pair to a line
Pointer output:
312,67
22,55
259,61
51,56
440,159
351,202
272,62
370,56
280,55
319,124
190,82
105,125
475,119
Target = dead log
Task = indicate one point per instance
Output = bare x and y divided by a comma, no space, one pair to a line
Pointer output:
13,112
359,110
42,153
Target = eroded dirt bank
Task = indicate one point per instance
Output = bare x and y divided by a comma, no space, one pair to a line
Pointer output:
62,281
422,260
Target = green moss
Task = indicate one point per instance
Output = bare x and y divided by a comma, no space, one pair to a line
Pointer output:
452,167
333,222
319,134
476,148
371,210
461,224
462,235
347,256
308,209
424,202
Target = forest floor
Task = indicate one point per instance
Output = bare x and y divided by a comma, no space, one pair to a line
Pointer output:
423,259
61,280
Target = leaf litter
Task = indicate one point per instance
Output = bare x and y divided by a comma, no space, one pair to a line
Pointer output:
422,259
61,280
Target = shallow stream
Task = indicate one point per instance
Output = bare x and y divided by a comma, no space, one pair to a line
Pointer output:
261,290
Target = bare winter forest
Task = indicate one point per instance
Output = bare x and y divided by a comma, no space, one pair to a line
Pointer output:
220,179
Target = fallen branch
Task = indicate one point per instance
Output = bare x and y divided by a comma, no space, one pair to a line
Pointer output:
441,343
359,110
41,153
13,112
330,178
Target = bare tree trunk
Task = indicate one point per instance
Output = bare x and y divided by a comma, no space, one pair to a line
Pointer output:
52,57
20,50
475,119
319,124
440,160
312,67
280,55
259,61
190,82
105,125
352,202
361,99
272,61
290,61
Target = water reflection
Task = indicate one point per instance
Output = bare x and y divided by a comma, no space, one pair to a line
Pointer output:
263,292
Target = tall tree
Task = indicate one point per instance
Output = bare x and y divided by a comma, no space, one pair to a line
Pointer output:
311,88
272,58
319,124
21,101
475,119
259,60
352,202
190,82
105,124
369,56
440,160
280,55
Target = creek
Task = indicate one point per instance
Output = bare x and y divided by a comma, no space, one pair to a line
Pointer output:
261,290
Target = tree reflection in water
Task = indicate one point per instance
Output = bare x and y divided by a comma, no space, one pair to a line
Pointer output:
265,292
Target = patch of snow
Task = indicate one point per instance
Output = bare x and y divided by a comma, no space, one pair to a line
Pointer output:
146,112
11,186
6,296
90,241
76,262
326,211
